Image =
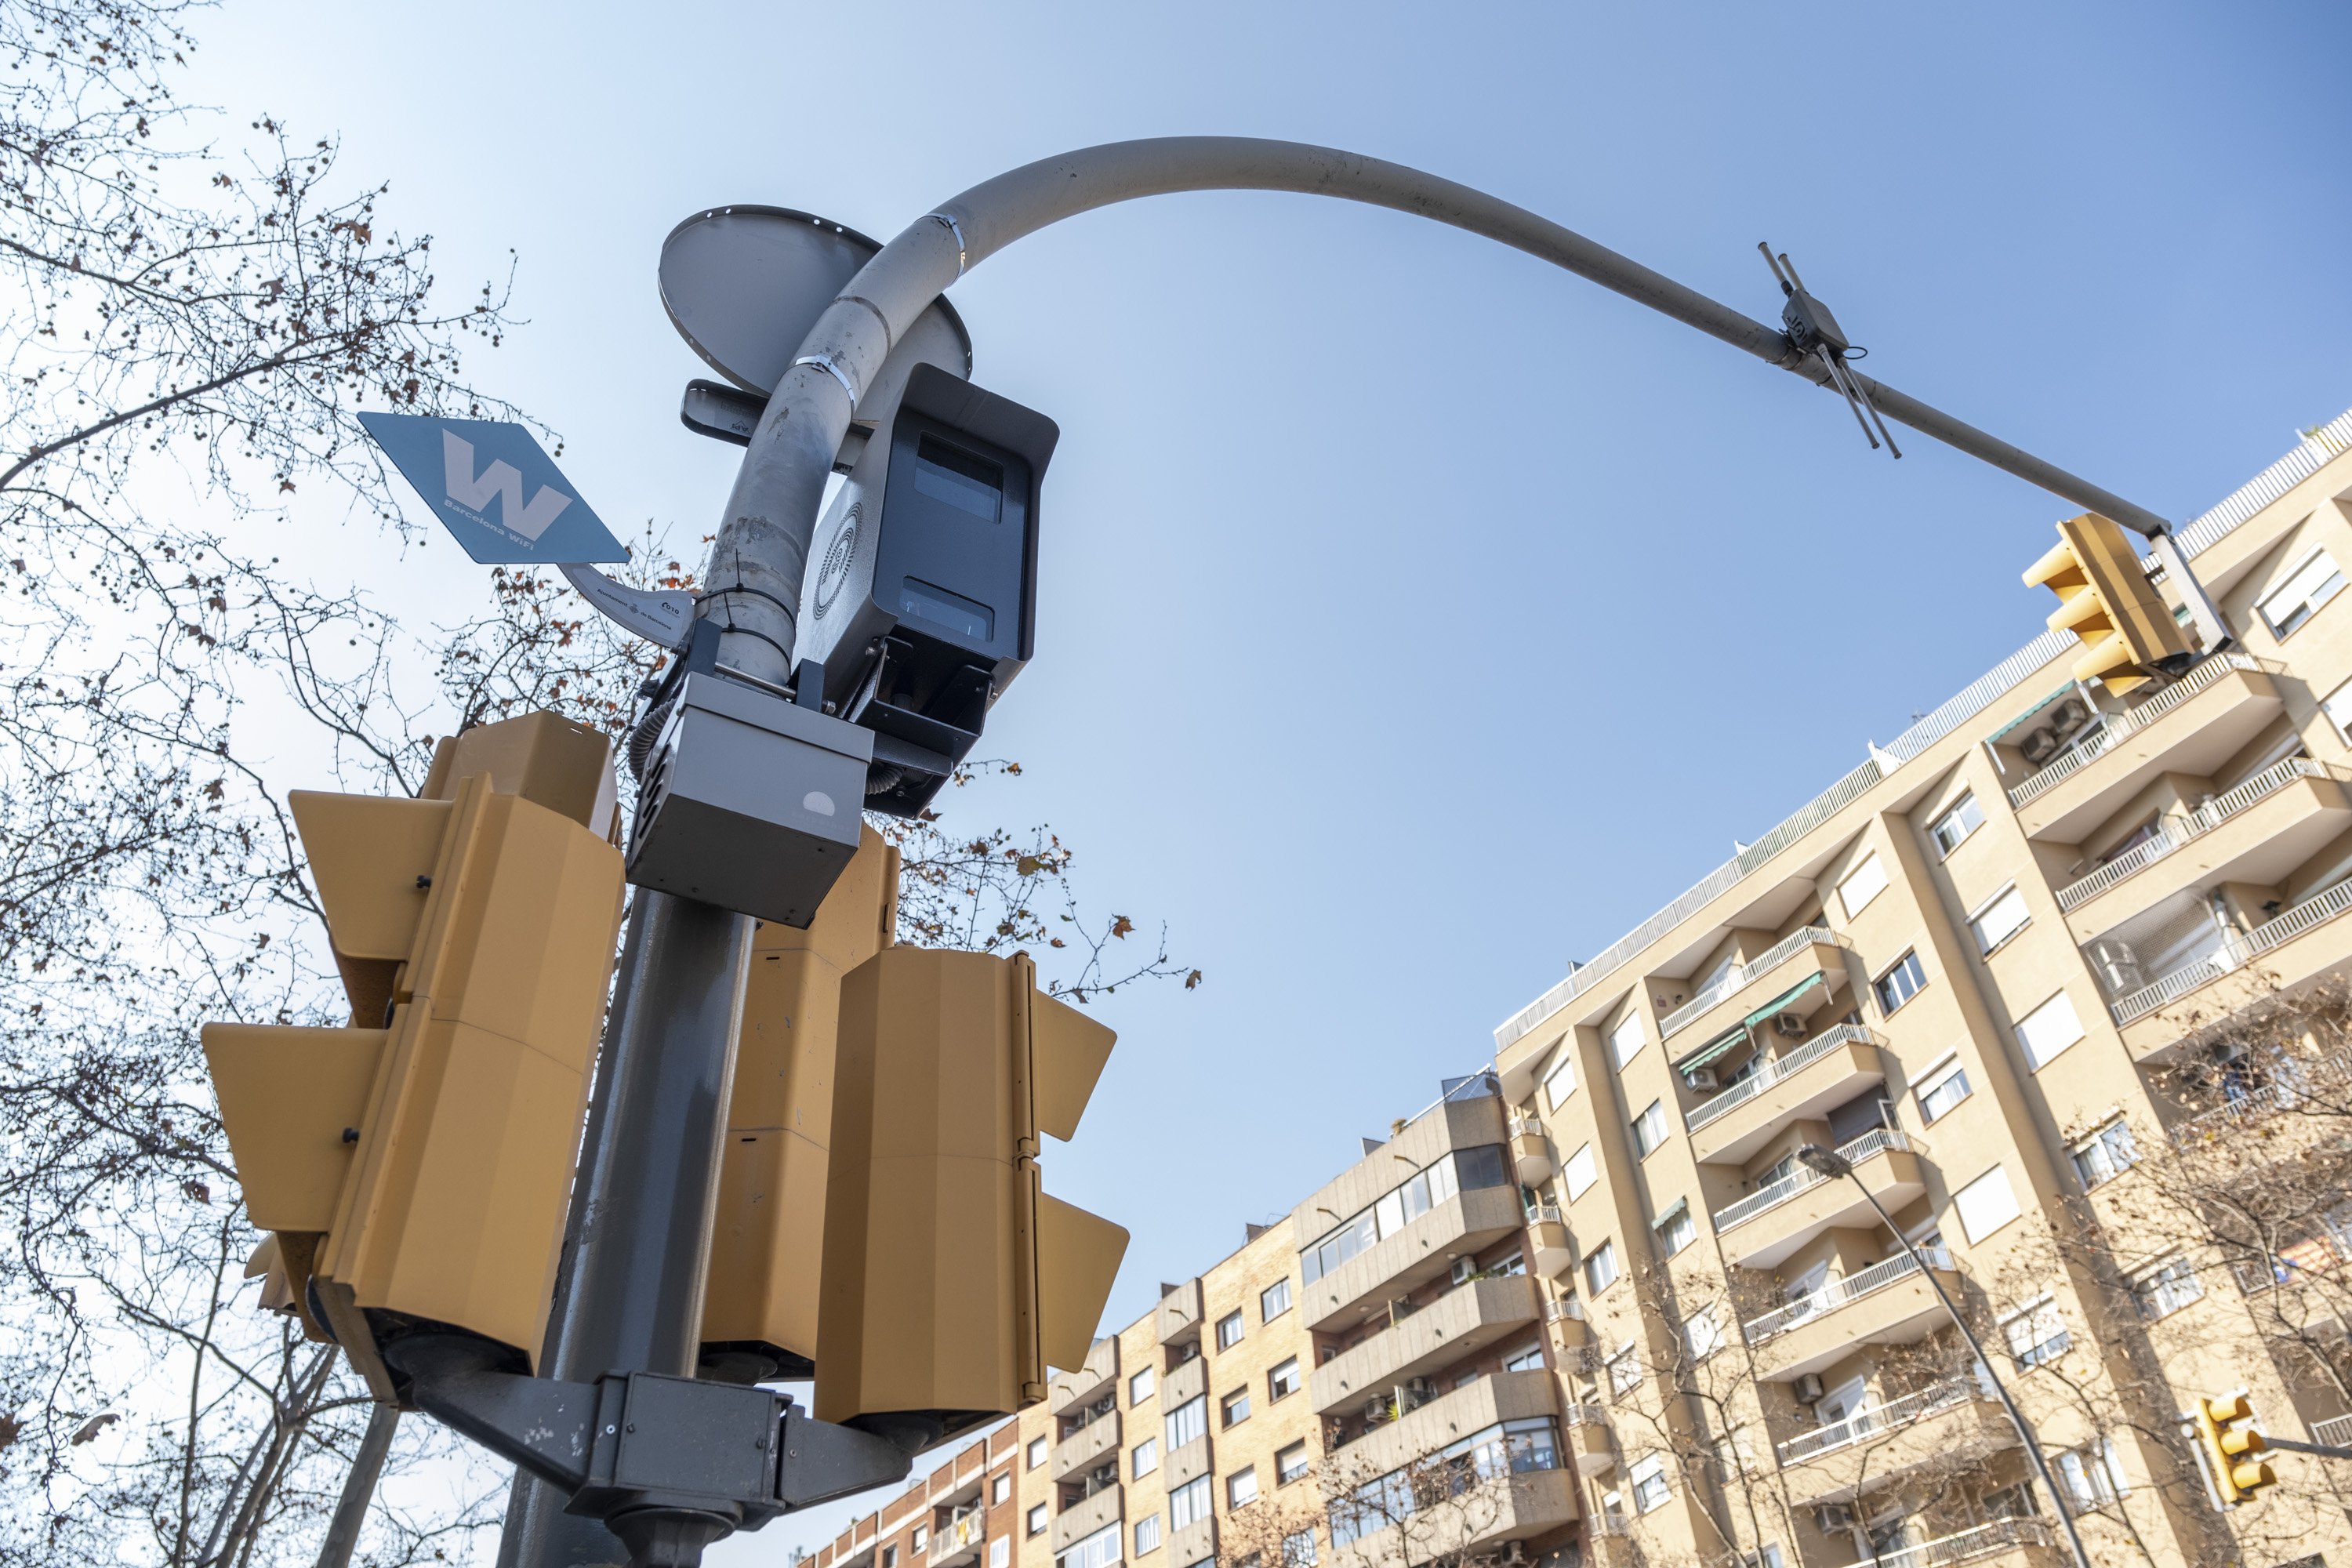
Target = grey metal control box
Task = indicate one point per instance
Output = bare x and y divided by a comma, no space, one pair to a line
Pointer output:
919,607
747,802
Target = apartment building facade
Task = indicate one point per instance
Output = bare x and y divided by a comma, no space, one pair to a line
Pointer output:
1590,1308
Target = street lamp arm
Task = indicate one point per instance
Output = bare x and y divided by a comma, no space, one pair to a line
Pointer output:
759,554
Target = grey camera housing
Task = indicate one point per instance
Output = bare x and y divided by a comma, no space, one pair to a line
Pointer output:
747,802
919,607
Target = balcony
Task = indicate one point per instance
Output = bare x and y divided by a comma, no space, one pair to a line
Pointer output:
1179,1314
1196,1543
1188,1463
2336,1431
1417,1433
1814,949
2192,726
1423,1249
1590,1447
2016,1538
1085,1449
1531,1151
2303,942
1184,1383
1549,1251
1826,1071
1082,1519
959,1540
1886,1442
1511,1507
1886,1303
1088,1381
2257,832
1455,1325
1764,1227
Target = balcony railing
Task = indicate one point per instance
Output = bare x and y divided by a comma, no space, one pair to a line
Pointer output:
1538,1214
1773,1072
1878,1419
2336,1431
1739,974
1838,1292
1874,1141
2173,832
1563,1308
1598,1415
2115,727
2001,1535
2235,950
2293,1080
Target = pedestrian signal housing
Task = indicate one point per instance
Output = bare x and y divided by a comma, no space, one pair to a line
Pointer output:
759,1301
950,1282
413,1168
2106,600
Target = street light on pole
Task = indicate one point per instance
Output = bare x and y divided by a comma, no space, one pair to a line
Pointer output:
1830,1163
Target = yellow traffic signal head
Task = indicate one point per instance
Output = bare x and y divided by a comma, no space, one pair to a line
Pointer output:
2233,1446
2106,602
950,1282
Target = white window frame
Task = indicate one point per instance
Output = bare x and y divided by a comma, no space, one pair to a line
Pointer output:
1987,1206
1181,1500
1582,1163
2315,596
1281,1286
1619,1052
1654,1117
1936,1074
1038,1517
1037,1451
1232,1320
1141,1385
1000,1552
1909,955
1244,1477
2045,1021
1676,1230
1870,872
1144,1457
1283,1473
1146,1534
1967,799
2102,1139
1647,1481
1275,1376
1559,1080
2337,706
1988,942
1703,1332
1001,1490
2161,1269
2040,1313
1604,1253
2093,1474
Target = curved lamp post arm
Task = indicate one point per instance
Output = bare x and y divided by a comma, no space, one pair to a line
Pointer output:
758,559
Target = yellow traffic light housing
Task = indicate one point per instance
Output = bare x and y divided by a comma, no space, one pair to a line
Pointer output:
417,1166
950,1281
759,1296
2108,602
2233,1447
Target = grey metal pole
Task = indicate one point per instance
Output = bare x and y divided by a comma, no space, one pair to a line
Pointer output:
359,1488
758,557
629,1294
1829,1163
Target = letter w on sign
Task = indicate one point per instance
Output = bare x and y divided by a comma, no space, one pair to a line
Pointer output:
499,479
495,490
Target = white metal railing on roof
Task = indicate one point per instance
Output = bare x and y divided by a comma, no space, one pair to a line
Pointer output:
1739,974
1982,1541
2305,459
1875,1419
2115,727
2336,1431
1773,1072
1877,1141
2234,951
1838,1292
2173,832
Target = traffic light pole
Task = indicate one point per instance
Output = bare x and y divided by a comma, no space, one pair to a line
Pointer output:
759,558
628,1292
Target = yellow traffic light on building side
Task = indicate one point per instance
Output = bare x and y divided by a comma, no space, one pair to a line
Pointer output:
416,1166
950,1281
760,1299
2108,602
2233,1447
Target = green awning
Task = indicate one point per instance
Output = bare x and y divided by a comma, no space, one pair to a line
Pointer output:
1781,1002
1713,1049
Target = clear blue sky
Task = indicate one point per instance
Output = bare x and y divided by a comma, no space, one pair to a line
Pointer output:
1416,617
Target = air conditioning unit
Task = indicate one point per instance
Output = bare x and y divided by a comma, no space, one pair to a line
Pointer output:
1809,1388
1790,1026
1421,1388
1836,1516
1376,1407
2117,967
1463,1270
1326,1353
2053,728
1702,1080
